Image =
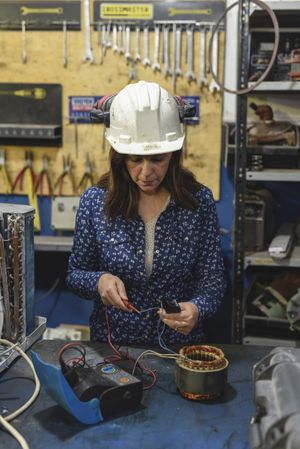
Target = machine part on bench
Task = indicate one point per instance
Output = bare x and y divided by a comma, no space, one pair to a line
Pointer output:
201,373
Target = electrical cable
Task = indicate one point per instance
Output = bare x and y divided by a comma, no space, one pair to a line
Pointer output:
4,420
49,291
246,90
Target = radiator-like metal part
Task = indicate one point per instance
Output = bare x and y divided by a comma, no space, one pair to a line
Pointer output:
276,424
18,324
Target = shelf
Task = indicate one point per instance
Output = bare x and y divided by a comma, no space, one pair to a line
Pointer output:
287,175
53,243
276,86
263,258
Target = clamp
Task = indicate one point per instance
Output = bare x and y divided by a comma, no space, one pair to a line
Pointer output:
42,178
4,172
87,178
67,173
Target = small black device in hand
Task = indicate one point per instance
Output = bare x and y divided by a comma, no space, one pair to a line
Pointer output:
171,306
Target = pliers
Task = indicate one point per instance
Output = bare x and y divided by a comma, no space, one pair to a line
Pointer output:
67,172
44,177
5,175
28,167
87,179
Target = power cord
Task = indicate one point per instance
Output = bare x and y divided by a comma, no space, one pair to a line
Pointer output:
5,420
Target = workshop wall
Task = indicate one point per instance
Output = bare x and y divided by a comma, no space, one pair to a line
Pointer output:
45,65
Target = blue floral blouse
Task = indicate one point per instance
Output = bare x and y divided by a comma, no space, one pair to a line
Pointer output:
187,266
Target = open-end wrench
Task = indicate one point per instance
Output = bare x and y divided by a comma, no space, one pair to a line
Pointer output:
65,44
107,37
178,45
24,10
88,44
115,38
213,86
120,40
190,74
156,65
127,44
137,52
166,69
202,80
24,43
146,60
101,42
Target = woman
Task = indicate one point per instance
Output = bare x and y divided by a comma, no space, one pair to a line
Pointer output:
148,232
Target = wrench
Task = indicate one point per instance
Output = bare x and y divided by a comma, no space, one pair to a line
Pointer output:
127,44
132,71
202,81
178,45
115,39
65,44
101,42
107,37
120,39
24,43
156,65
88,45
137,55
24,10
213,86
166,69
146,60
190,75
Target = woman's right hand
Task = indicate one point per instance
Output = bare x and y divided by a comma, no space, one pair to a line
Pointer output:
112,291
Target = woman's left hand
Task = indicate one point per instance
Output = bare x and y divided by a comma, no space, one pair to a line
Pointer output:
184,321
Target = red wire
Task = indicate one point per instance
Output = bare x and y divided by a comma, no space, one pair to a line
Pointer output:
153,375
109,335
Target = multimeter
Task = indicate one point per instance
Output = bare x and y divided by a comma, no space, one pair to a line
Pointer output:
171,306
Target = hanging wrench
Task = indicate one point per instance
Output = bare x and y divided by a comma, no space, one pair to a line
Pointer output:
156,65
202,81
115,39
190,75
146,60
107,37
137,54
127,44
178,45
88,45
24,46
213,86
120,40
65,44
166,69
101,32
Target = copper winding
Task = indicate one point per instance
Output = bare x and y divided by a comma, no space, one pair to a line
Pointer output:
202,357
201,372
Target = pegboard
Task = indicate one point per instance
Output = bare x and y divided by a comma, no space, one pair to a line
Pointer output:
60,57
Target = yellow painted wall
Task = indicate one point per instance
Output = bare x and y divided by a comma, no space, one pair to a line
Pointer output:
45,65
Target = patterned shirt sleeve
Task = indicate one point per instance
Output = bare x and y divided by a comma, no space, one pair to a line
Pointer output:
209,270
84,268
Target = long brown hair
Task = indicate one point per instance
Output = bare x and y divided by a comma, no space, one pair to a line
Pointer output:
122,193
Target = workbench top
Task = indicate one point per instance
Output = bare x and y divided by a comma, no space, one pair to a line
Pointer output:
165,420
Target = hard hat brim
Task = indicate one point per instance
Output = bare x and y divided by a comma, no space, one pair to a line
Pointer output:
149,148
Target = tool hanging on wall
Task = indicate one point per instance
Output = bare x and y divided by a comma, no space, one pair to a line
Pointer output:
156,65
88,44
6,187
87,178
146,60
24,42
174,78
44,178
213,86
137,53
66,174
166,67
25,180
120,40
127,45
202,80
115,47
178,45
65,44
190,74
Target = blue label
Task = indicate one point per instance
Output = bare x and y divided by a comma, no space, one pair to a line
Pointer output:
195,101
80,106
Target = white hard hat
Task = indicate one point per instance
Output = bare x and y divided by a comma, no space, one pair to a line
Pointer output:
145,119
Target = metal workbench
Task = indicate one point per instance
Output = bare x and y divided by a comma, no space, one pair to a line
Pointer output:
164,420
